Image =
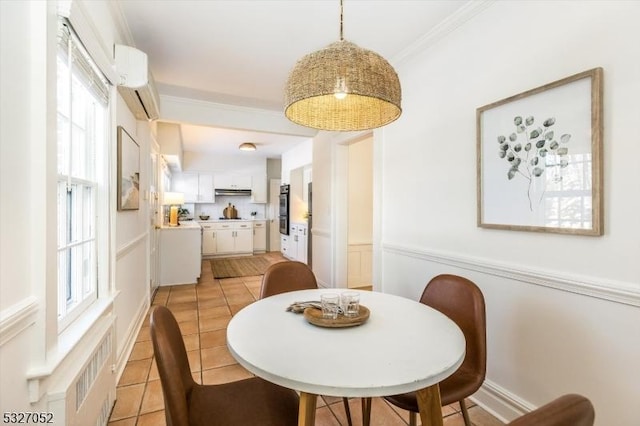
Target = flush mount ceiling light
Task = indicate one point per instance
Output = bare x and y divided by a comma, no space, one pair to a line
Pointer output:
343,87
247,146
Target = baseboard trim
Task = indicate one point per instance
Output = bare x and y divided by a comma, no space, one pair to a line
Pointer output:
132,334
500,403
614,291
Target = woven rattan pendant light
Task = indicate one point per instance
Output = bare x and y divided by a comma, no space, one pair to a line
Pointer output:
343,87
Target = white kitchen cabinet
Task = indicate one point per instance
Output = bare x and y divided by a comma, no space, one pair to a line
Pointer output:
297,243
259,236
244,239
284,245
196,187
232,181
301,244
180,254
209,241
205,188
186,183
259,189
233,237
226,243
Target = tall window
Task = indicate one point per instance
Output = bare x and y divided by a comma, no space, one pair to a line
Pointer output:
82,100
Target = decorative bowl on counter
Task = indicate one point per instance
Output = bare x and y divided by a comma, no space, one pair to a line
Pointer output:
204,217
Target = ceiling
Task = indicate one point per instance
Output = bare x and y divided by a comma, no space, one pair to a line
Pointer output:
240,52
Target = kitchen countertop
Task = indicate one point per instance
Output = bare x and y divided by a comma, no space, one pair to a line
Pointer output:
184,225
228,220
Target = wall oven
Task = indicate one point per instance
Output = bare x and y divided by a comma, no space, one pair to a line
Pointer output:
283,213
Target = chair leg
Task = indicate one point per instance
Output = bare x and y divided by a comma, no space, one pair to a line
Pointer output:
366,411
347,410
465,413
412,418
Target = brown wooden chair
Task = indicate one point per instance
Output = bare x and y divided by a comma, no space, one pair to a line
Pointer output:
462,301
283,277
246,402
287,276
567,410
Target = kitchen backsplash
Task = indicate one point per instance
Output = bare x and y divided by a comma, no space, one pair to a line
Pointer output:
214,211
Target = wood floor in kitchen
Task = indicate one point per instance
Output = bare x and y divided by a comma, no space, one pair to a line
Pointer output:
203,311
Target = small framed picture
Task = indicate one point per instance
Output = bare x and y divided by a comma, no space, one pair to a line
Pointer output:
128,171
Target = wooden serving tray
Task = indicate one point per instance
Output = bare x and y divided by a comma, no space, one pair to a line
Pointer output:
314,316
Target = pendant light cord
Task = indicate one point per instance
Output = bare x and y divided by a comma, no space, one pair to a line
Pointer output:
341,14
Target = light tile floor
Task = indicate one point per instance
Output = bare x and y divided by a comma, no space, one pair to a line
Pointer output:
203,311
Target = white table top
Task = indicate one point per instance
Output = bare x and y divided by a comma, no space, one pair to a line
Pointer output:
403,347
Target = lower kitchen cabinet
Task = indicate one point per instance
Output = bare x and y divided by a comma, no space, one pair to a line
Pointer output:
298,242
209,242
259,236
180,255
231,237
284,245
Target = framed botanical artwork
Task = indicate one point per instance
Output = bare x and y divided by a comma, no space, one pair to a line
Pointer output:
540,158
128,171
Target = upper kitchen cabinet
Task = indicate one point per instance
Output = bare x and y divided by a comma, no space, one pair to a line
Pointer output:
259,189
206,194
232,181
196,187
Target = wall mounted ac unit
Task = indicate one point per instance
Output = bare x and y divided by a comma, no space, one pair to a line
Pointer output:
136,87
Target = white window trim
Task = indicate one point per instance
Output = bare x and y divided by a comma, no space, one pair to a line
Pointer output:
102,211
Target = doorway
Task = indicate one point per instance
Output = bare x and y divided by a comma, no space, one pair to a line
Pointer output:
154,214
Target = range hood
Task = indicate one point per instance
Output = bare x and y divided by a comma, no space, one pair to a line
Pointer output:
231,191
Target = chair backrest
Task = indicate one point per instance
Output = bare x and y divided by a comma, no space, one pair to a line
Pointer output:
462,301
287,276
571,409
173,365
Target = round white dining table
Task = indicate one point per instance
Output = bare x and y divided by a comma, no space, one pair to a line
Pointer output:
404,346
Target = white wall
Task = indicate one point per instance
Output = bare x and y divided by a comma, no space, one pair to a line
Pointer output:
132,256
322,241
563,311
299,156
29,343
22,190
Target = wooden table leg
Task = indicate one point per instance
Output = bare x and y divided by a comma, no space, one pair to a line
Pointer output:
430,406
307,410
366,411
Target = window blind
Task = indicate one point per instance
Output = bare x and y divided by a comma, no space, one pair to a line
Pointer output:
70,45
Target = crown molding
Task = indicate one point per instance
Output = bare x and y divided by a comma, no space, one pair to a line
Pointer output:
444,28
121,24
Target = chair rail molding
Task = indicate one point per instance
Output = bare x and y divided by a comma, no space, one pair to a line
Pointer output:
611,290
16,318
126,248
321,232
